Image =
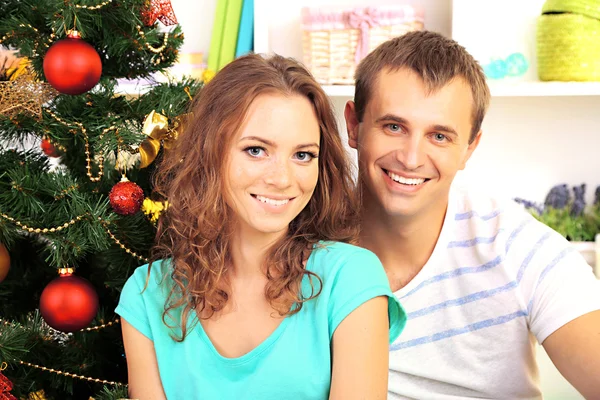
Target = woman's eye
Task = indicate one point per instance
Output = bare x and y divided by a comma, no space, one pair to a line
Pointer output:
305,156
254,151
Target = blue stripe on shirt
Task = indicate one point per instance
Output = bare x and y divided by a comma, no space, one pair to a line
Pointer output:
530,255
458,331
514,234
462,300
455,273
484,293
548,268
475,241
471,214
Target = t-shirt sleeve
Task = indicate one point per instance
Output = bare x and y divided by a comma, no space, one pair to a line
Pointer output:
132,304
360,278
557,284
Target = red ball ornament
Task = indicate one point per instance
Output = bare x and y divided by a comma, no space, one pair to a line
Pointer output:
5,385
126,197
72,66
4,262
49,149
69,303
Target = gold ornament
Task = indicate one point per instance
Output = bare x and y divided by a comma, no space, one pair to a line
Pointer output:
23,94
17,70
207,75
153,209
39,395
156,128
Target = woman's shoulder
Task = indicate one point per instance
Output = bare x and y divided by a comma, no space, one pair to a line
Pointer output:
329,257
150,277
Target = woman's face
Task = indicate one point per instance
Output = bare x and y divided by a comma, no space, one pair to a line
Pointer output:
272,168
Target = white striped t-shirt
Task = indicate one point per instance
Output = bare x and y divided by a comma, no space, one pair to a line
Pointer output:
497,281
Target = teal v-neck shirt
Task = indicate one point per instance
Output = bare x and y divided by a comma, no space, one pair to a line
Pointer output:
294,362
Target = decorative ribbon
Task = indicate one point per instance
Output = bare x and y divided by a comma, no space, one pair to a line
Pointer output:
161,10
156,128
363,19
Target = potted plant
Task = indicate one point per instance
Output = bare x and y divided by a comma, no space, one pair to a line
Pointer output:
572,218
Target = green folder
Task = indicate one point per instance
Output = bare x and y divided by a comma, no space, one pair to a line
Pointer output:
230,32
216,39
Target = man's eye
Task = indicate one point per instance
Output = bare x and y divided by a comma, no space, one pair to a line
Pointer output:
394,127
440,137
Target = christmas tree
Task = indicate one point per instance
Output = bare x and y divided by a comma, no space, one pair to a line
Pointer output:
77,209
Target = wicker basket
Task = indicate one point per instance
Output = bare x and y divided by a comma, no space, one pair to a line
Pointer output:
335,40
568,41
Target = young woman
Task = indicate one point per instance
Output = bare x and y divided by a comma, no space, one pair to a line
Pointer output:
253,293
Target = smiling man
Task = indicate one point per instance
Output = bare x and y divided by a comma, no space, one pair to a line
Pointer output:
481,279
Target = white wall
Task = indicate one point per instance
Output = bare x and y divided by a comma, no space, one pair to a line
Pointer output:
532,143
196,19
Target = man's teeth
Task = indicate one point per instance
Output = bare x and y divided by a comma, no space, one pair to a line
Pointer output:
272,201
405,181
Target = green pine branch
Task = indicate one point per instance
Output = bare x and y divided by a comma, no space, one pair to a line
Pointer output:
112,30
37,195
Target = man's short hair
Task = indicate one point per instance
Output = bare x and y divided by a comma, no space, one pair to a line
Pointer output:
435,58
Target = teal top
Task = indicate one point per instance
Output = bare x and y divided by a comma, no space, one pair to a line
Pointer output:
294,362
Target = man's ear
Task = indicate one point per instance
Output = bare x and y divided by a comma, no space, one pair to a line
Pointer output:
351,124
472,146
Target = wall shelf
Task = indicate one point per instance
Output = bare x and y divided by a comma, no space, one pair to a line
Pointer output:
514,89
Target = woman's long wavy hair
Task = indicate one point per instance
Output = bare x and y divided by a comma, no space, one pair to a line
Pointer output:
194,232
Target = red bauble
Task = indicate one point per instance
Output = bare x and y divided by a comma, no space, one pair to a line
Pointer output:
4,262
49,149
72,66
5,387
69,303
126,197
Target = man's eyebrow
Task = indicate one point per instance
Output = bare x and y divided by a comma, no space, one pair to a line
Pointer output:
392,117
445,129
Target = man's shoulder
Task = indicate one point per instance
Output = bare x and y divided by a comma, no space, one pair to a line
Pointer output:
501,225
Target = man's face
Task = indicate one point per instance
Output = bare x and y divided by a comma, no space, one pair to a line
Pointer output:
411,143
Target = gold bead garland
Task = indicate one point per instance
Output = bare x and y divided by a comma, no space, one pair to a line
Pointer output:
68,374
73,221
36,44
96,7
65,192
42,230
99,327
116,321
88,157
118,242
155,50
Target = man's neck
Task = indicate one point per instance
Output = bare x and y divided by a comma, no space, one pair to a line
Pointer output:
403,244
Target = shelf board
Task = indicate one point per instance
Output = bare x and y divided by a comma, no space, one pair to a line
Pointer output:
537,88
515,89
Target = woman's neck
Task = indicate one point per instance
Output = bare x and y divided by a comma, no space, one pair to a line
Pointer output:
248,252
